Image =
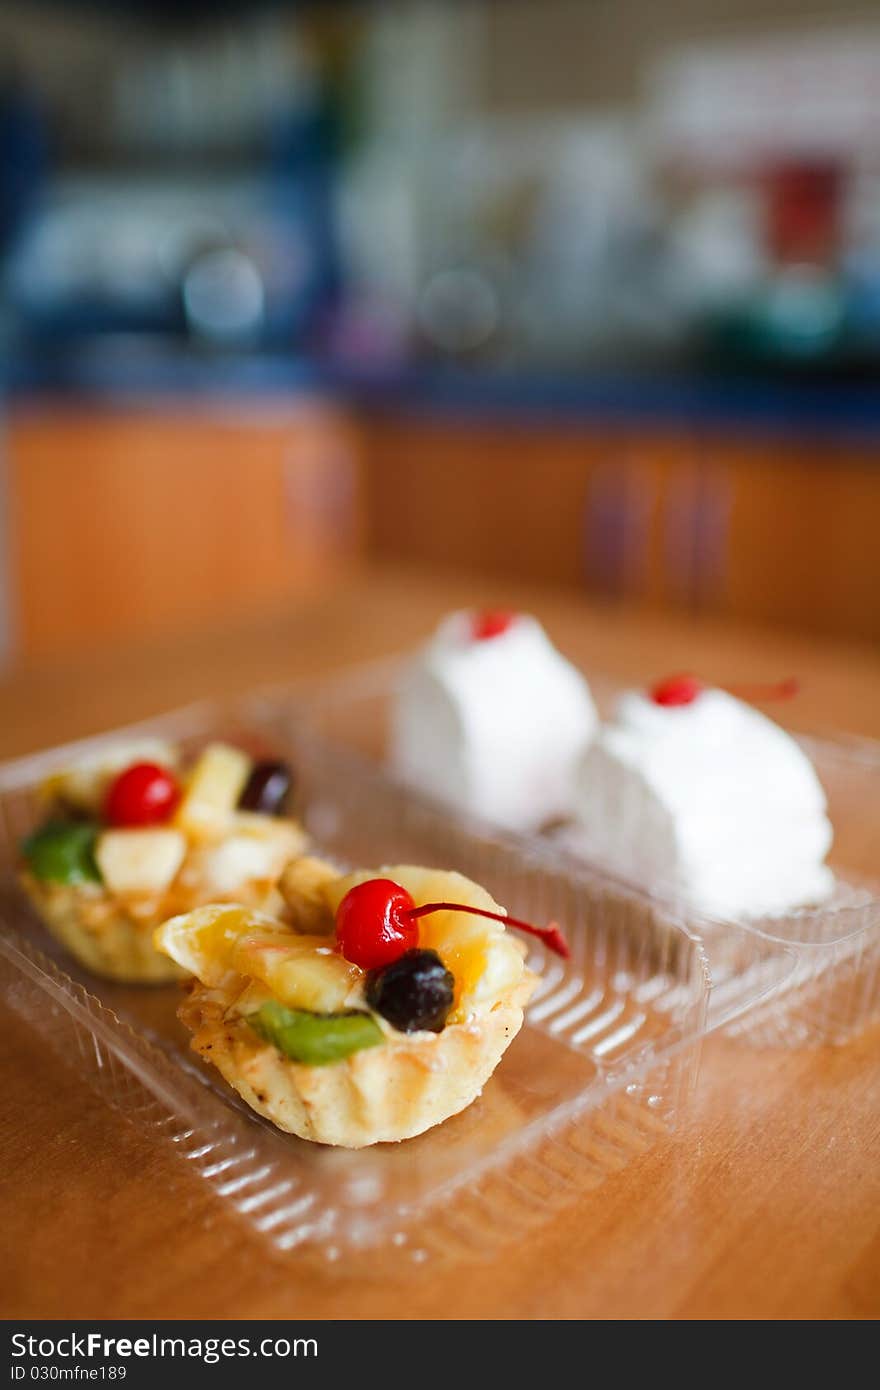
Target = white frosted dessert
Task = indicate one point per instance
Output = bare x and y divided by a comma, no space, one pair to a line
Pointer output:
707,798
492,719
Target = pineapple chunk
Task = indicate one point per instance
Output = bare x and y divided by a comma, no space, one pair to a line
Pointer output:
303,972
222,868
202,942
258,848
139,861
265,827
304,887
225,946
215,784
84,784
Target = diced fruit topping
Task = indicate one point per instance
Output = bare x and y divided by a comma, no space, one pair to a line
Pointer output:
255,847
218,869
203,941
83,785
485,960
63,852
267,789
214,788
304,886
139,861
301,971
223,944
461,941
414,993
312,1038
374,923
144,794
232,948
677,690
491,623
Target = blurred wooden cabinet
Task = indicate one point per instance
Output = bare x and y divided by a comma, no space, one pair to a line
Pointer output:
611,509
768,530
479,496
800,539
128,523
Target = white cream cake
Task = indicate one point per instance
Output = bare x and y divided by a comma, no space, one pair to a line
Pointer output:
492,719
709,799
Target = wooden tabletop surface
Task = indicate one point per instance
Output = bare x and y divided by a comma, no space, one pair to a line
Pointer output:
765,1204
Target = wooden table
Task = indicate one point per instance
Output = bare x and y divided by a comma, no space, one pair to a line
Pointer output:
767,1204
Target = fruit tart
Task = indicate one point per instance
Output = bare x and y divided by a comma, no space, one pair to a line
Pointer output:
132,837
376,1006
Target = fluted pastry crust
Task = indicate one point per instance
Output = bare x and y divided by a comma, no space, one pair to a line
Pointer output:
383,1094
112,935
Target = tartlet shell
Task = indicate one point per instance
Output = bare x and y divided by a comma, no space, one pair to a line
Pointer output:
384,1094
112,936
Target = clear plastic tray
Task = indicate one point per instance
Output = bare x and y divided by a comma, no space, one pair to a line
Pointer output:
824,962
603,1066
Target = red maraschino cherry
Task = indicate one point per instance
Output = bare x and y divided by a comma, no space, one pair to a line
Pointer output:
684,689
377,920
373,926
144,794
677,690
491,623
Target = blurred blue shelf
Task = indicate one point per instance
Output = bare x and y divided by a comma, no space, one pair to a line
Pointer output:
122,375
689,402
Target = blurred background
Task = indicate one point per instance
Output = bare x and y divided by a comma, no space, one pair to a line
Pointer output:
576,291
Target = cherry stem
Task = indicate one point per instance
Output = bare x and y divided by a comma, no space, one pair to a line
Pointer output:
781,690
550,935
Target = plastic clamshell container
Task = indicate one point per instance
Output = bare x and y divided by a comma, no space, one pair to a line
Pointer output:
821,965
602,1068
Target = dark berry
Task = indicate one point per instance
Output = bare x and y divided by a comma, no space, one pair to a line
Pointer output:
267,789
415,992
